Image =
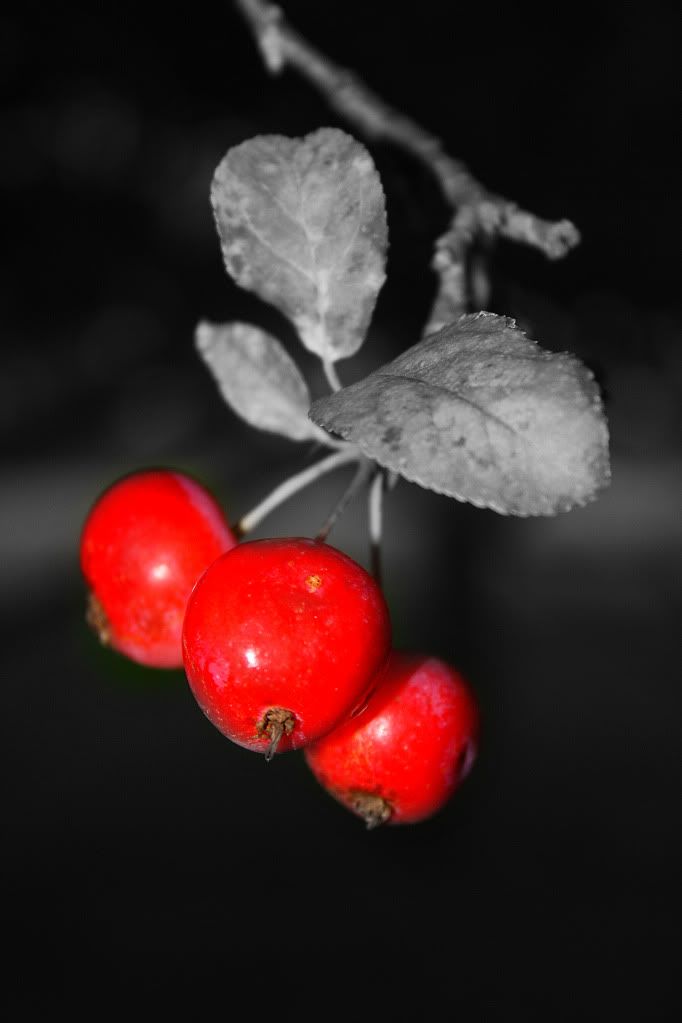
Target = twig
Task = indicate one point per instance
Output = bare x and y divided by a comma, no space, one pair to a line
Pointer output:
477,211
292,485
363,473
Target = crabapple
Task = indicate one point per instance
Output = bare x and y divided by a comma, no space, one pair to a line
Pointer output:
282,638
144,544
401,758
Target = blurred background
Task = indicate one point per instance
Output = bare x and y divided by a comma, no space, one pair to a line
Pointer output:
145,856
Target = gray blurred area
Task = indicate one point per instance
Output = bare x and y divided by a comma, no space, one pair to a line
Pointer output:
144,856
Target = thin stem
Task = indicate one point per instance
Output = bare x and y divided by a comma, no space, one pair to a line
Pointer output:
363,473
292,485
331,375
277,723
376,508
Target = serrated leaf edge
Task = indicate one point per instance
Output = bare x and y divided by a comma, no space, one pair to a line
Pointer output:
597,406
478,503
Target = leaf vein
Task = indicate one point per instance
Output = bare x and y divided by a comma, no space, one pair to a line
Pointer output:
278,255
458,397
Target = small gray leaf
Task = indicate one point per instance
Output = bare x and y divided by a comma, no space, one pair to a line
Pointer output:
302,223
481,413
257,378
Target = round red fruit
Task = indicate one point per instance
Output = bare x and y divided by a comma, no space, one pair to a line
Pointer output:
403,756
281,641
145,543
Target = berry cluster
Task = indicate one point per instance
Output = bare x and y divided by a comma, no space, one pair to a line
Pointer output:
286,644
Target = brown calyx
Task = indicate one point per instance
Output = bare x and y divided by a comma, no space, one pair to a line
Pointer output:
276,722
373,809
96,618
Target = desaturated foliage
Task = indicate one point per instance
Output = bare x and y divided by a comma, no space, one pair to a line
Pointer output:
481,413
302,223
476,411
257,378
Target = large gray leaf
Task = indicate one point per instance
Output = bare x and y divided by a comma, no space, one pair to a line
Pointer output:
302,222
257,378
481,413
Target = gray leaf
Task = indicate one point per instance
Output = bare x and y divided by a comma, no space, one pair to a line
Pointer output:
257,378
481,413
302,223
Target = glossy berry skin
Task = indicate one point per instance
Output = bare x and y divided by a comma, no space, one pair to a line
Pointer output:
281,640
403,756
145,543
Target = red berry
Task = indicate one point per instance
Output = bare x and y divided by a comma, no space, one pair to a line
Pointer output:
144,545
403,756
281,640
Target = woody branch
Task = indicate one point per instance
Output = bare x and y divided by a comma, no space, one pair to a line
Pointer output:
476,211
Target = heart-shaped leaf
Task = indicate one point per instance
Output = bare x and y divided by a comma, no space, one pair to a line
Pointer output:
302,223
257,378
481,413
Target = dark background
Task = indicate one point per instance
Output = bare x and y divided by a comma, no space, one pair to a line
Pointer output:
146,859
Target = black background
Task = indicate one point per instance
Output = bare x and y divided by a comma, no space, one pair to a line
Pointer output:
146,859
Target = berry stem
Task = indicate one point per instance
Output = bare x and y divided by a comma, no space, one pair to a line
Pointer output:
291,486
277,722
376,508
372,808
362,474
